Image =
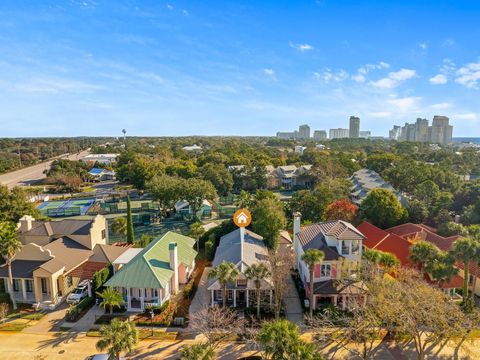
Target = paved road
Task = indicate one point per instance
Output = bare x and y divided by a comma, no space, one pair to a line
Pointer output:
33,173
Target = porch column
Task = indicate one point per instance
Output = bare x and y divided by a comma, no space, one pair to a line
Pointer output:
234,298
142,298
344,302
89,289
129,300
24,290
271,297
211,296
247,296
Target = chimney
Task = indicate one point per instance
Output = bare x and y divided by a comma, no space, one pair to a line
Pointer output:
297,219
26,223
172,248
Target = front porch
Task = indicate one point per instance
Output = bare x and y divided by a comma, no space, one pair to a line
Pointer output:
241,298
139,299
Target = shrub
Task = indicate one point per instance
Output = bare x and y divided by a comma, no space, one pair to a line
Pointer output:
209,249
75,312
158,309
164,319
5,298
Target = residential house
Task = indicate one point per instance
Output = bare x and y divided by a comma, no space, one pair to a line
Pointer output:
193,147
183,208
106,159
365,180
334,278
391,242
55,256
289,177
151,276
100,174
243,248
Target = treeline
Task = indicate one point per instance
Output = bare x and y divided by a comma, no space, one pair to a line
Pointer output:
18,153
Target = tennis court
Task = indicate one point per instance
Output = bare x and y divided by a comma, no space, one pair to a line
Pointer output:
61,208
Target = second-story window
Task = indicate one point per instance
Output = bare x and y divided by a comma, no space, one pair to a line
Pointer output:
241,282
325,270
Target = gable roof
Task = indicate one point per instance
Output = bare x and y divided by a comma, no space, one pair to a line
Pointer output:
68,254
151,267
229,248
378,239
61,227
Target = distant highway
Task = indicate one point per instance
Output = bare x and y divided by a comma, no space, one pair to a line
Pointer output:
32,174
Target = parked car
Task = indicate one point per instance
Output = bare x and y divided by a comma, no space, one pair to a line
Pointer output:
80,292
100,357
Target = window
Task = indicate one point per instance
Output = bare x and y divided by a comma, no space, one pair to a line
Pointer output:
104,234
355,248
218,295
155,292
325,270
345,248
230,294
241,282
29,285
69,281
16,285
471,278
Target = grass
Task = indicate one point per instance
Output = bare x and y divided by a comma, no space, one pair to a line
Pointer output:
26,315
13,326
144,334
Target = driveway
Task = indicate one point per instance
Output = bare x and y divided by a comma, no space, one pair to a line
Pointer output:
202,295
293,307
50,322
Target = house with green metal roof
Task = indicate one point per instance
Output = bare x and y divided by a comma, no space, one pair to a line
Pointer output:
156,272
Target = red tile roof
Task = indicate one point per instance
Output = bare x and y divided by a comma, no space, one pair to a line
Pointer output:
379,239
410,231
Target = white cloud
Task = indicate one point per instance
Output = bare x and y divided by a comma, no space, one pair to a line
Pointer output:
423,45
405,104
465,116
364,70
169,7
469,75
448,42
441,106
328,75
380,114
269,72
302,47
394,79
56,85
439,79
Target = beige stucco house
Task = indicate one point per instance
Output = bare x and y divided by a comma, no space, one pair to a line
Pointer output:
46,269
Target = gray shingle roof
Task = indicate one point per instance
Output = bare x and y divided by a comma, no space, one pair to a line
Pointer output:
61,227
21,269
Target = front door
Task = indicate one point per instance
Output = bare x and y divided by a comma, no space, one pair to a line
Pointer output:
241,300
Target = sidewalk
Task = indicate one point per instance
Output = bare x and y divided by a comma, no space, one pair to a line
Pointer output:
293,307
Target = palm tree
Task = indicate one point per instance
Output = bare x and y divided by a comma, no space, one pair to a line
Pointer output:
423,252
197,352
225,273
257,272
119,226
312,257
244,199
111,298
9,245
117,337
464,250
196,231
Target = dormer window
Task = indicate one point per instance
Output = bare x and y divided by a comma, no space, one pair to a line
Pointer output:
326,270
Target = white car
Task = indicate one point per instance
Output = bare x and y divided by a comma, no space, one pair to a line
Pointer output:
80,292
101,357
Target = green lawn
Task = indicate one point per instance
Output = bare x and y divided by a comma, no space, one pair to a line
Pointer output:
144,334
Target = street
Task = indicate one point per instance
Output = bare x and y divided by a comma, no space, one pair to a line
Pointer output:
31,174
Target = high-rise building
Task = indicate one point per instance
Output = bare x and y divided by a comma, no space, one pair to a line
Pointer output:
339,133
319,135
441,131
286,135
421,130
304,132
365,134
395,133
354,129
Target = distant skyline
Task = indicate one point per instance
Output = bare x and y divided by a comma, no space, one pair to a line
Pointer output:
176,68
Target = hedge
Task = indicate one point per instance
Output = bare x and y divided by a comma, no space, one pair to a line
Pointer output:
75,312
5,298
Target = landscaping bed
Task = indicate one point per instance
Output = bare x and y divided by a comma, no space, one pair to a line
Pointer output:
144,334
75,312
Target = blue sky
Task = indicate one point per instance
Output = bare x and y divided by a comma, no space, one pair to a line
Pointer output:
93,67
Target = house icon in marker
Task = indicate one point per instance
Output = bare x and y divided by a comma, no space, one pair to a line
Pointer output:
242,218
